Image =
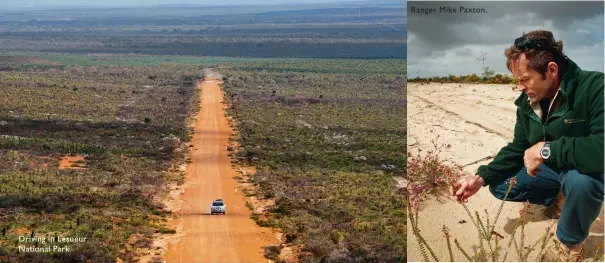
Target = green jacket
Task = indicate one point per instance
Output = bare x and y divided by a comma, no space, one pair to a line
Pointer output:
575,128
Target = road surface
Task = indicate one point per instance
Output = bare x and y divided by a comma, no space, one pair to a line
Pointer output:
233,237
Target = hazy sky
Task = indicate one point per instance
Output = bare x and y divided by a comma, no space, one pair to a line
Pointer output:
444,43
24,3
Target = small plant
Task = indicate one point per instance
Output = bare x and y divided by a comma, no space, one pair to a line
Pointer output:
249,205
272,252
255,217
429,174
164,230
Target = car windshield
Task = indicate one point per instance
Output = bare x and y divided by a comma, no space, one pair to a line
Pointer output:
217,204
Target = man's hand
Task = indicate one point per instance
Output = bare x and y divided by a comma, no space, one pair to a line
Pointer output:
532,159
466,187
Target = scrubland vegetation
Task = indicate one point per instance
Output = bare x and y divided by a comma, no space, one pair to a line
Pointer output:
327,138
129,123
326,147
472,78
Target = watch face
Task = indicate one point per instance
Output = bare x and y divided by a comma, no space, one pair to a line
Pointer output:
545,153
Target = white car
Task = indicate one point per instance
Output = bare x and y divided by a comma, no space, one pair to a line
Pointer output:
218,207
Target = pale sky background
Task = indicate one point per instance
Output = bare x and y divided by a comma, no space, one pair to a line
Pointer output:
104,3
440,44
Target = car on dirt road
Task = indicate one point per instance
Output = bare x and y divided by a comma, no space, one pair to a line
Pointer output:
218,207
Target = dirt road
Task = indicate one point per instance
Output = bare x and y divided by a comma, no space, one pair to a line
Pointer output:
477,120
233,237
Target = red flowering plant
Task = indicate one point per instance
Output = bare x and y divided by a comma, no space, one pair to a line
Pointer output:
429,174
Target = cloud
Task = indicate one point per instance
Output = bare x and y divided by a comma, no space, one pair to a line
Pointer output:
588,57
444,43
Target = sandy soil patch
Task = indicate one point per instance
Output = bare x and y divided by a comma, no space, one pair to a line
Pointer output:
477,120
77,162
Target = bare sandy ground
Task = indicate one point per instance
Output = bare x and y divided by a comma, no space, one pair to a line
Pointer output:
72,162
202,237
477,120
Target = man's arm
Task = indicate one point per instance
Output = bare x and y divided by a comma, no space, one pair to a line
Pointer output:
584,153
509,159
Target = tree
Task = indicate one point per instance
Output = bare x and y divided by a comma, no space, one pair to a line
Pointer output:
451,78
487,72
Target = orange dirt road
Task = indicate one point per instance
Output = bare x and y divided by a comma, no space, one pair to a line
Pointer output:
233,237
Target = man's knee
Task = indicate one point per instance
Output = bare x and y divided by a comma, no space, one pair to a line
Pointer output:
512,193
576,183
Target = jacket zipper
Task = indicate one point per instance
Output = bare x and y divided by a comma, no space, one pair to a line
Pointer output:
534,117
532,114
553,115
548,115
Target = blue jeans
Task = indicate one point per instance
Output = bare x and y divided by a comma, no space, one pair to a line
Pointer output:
583,198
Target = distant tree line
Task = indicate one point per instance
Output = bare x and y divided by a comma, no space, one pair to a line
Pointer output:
472,78
222,47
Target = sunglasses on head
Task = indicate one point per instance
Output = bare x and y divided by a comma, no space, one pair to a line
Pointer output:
526,43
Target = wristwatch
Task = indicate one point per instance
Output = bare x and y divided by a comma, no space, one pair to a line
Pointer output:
545,151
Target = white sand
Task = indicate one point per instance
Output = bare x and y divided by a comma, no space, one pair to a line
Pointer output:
477,120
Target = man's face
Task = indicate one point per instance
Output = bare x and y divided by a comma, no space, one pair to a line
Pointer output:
530,81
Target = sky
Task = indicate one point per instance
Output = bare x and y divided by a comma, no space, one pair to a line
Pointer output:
35,3
450,43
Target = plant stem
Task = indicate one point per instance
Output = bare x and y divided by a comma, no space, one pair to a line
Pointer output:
422,249
541,255
522,246
543,238
596,253
491,250
495,252
484,231
510,242
471,217
488,225
481,247
449,244
519,252
416,232
598,256
510,187
462,250
427,245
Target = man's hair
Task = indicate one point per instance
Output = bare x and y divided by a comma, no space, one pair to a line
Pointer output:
540,48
